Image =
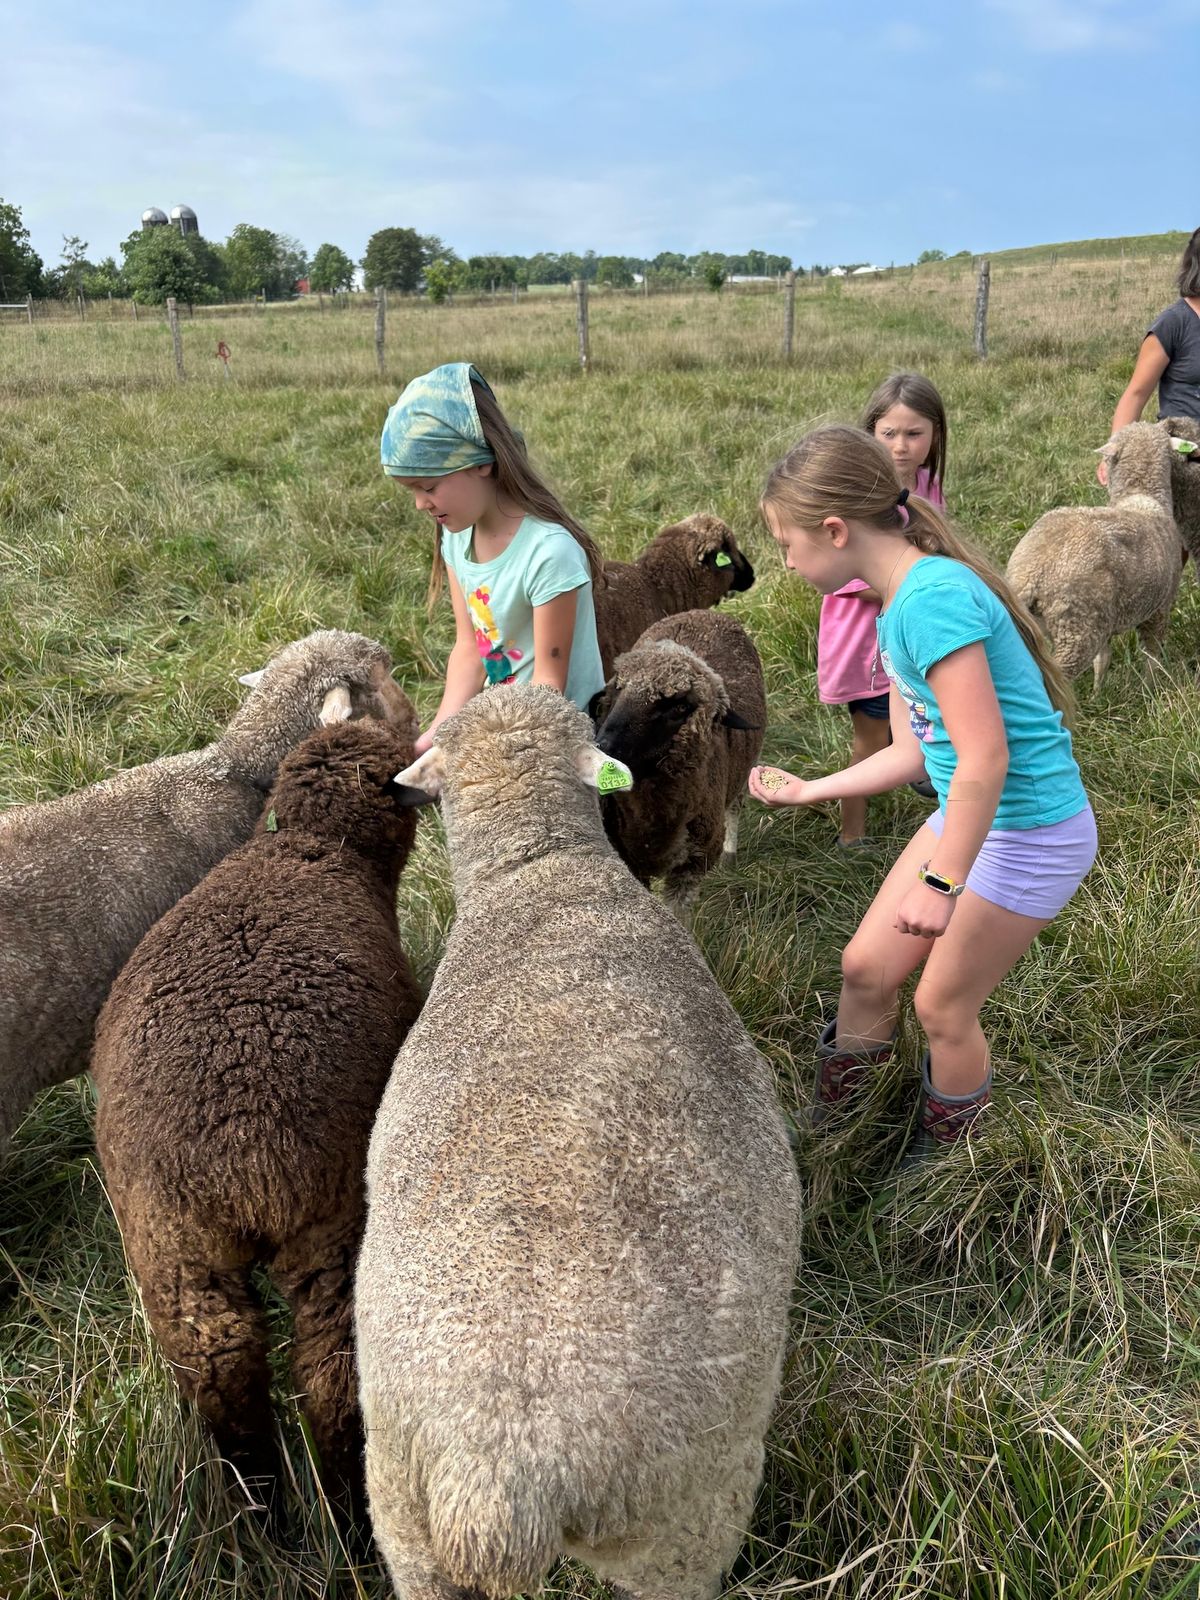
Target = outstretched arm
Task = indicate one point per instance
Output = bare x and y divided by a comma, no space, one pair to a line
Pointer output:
900,763
464,670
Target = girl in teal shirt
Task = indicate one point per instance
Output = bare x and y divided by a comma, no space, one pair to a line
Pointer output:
521,571
978,702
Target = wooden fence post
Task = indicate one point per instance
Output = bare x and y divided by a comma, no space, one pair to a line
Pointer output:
380,325
581,319
514,294
176,338
133,307
789,313
29,308
981,309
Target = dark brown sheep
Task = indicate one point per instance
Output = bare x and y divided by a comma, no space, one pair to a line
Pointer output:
685,710
239,1062
690,565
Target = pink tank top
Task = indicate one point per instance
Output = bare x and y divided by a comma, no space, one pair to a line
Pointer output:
848,666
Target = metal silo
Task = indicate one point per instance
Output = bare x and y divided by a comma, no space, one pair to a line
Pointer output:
152,217
184,218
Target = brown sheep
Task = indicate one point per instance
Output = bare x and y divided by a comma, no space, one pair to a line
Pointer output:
1185,482
239,1062
690,565
685,710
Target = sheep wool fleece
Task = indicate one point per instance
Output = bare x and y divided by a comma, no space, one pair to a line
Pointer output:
583,1217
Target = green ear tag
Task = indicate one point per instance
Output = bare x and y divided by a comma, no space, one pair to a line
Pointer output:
1184,446
271,825
612,776
723,560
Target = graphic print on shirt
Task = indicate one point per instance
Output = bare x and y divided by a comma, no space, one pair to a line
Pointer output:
918,717
498,663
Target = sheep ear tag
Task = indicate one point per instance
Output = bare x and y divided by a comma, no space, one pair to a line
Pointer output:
1184,446
602,772
722,560
613,775
272,822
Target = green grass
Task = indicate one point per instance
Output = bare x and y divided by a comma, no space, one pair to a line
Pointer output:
994,1381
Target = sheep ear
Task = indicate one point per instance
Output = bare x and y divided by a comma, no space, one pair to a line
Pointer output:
252,679
602,772
1107,449
734,719
336,706
421,783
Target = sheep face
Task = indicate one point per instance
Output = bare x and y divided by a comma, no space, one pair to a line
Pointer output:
710,545
1138,458
661,696
339,785
340,676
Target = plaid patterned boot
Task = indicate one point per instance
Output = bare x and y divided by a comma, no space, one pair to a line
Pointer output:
842,1073
944,1118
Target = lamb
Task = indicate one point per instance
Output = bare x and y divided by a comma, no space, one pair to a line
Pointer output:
83,877
239,1062
685,710
571,1302
693,563
1089,573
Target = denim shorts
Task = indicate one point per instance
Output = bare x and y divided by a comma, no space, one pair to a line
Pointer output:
876,706
1032,870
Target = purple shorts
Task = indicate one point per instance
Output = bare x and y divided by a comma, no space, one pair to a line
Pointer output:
1032,870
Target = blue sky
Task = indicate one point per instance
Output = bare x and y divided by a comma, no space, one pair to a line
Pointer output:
819,129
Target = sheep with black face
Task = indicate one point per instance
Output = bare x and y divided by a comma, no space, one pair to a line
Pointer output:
685,710
691,564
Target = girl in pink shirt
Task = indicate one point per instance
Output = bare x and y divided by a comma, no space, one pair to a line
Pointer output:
907,415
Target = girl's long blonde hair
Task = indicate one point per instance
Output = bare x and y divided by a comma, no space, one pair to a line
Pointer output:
518,483
838,471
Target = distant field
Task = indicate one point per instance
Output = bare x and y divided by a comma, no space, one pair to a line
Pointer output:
993,1386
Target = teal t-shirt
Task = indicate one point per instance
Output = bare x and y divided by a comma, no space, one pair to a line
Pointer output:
541,562
943,606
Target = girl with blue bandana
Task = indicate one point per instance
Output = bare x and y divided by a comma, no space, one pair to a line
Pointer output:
975,699
521,570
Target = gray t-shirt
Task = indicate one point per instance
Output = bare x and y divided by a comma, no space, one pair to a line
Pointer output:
1178,331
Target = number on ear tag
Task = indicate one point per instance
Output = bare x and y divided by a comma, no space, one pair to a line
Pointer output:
271,825
722,560
612,776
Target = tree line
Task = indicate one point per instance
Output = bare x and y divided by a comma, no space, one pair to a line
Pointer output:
159,262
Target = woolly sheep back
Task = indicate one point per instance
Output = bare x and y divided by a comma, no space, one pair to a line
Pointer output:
571,1301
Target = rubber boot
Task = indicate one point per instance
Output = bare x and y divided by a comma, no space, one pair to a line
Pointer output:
842,1073
944,1119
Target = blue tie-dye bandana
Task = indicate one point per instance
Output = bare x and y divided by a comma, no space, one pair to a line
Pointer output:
434,427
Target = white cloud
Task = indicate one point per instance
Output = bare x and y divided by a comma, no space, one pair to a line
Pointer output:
1067,27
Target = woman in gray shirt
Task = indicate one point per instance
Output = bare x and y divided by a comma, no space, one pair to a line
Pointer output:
1170,354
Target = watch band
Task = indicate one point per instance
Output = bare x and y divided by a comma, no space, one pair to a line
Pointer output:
939,882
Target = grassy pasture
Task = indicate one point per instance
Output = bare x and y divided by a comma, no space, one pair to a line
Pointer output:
994,1385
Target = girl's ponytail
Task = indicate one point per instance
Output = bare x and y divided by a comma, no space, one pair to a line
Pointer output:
838,471
933,535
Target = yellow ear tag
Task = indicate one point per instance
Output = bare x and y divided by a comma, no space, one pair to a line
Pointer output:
722,560
271,825
613,776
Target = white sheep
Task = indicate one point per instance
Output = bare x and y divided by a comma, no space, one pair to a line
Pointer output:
1089,573
83,877
571,1301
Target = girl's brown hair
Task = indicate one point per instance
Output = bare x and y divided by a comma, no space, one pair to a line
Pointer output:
1189,268
918,394
845,472
519,485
